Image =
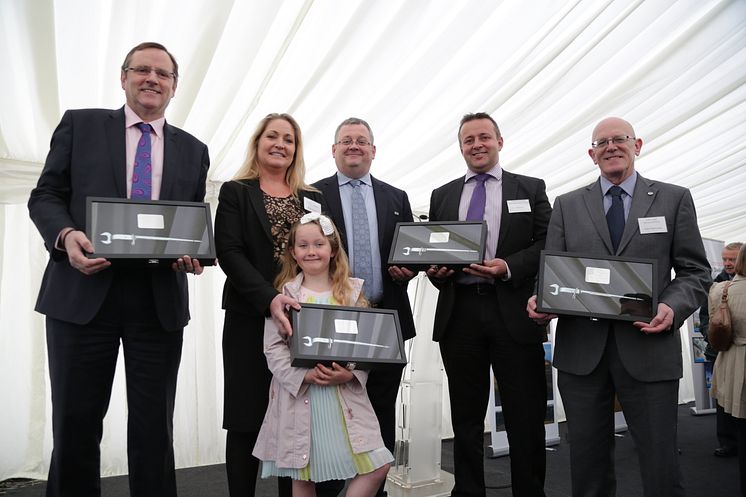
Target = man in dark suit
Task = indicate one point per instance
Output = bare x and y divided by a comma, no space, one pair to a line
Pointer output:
480,319
386,287
638,362
725,424
92,305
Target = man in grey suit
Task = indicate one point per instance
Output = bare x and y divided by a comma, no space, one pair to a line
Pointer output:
638,362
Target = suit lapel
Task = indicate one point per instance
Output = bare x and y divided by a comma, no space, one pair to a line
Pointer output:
509,192
383,215
453,197
170,162
330,189
257,203
595,206
117,150
642,199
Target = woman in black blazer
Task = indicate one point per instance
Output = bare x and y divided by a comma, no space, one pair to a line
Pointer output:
255,212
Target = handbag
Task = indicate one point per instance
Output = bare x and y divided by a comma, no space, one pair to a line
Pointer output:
720,331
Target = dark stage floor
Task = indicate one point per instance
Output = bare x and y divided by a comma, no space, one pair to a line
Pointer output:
704,474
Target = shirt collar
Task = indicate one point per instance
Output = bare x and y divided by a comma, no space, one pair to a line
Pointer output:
131,118
628,185
343,180
496,172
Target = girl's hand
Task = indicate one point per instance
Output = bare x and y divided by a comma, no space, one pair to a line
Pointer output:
335,375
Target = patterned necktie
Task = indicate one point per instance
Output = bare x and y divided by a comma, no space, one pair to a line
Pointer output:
142,177
478,199
362,263
615,216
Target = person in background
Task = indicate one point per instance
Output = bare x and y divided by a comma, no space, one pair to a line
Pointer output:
624,214
319,424
729,373
725,425
386,287
93,305
255,212
480,319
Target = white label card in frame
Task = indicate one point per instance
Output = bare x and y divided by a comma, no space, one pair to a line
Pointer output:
345,326
440,237
597,275
150,221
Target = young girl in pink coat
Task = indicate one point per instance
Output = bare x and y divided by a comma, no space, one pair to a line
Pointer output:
319,424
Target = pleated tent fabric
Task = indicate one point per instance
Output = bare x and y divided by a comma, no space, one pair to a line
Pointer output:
546,71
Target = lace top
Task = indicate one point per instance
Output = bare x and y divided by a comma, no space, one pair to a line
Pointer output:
282,212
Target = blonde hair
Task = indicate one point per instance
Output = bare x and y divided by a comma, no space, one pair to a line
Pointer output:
741,261
295,175
339,267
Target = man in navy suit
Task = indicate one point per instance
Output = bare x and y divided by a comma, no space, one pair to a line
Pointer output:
480,318
353,152
639,363
91,305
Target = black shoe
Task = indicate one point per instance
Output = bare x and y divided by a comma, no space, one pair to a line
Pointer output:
726,451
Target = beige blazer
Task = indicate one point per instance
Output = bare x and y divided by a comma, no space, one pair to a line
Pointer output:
729,373
285,434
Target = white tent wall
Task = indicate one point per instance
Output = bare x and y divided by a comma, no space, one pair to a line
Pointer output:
546,70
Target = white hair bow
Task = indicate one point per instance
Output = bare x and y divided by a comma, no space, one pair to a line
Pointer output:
327,227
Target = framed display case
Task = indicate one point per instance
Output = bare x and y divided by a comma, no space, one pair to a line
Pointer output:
607,287
449,243
149,231
330,333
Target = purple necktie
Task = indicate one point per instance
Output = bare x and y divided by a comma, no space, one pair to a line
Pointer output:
478,199
142,177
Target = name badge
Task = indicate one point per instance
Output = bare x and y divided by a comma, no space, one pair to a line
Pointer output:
311,205
655,224
521,205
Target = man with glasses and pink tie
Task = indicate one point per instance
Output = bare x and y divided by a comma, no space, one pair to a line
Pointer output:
92,306
480,318
625,214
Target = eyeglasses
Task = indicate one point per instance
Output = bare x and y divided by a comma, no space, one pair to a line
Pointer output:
616,140
360,142
146,70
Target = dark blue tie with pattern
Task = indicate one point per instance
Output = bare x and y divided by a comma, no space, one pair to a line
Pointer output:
615,216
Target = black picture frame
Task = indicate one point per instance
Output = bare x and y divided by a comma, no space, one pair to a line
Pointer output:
321,334
607,287
453,244
123,230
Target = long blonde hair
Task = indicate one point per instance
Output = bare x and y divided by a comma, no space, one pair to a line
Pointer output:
339,267
295,175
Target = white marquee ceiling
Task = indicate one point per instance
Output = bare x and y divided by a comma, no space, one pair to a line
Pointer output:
546,70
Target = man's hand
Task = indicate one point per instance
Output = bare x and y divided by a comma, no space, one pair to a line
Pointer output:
538,317
492,269
76,246
186,264
439,272
277,309
400,273
661,322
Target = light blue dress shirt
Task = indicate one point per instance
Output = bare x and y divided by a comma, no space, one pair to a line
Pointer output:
345,194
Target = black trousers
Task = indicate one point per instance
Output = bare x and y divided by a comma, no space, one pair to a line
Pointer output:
242,467
476,339
82,361
726,428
